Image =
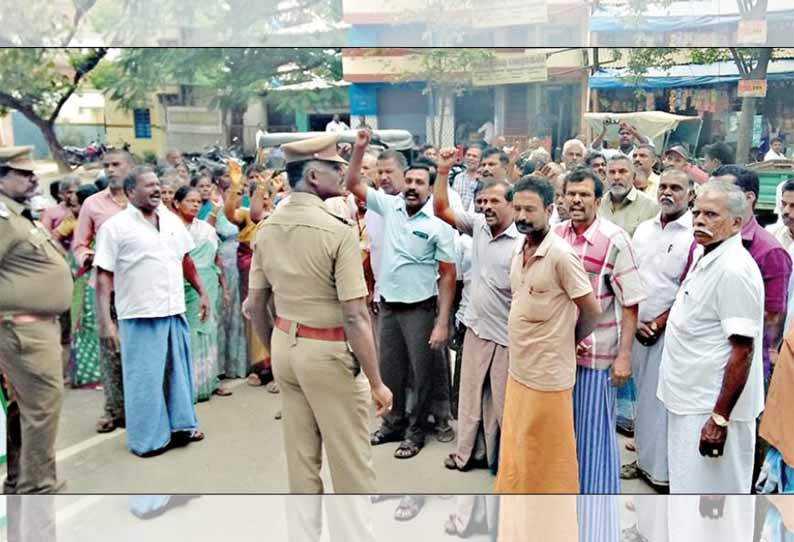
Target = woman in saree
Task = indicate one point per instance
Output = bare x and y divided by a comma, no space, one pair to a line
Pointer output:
256,186
203,335
84,369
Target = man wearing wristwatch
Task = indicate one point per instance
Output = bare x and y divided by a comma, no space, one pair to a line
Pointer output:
711,375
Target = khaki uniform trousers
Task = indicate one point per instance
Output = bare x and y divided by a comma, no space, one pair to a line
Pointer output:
30,356
324,402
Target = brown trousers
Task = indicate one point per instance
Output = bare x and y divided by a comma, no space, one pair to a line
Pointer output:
30,356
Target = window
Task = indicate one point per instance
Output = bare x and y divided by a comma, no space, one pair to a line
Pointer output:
143,124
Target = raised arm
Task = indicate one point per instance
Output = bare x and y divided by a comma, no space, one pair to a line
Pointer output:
441,187
233,194
353,179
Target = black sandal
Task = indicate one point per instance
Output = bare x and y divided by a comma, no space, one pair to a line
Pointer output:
408,509
407,449
450,462
382,437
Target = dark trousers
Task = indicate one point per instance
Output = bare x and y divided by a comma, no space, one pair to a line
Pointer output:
404,351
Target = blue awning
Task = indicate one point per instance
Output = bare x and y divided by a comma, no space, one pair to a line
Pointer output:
680,16
689,75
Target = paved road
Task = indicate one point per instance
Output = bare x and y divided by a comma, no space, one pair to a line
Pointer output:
243,453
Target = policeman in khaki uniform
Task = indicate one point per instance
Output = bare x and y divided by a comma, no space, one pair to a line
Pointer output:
308,261
35,287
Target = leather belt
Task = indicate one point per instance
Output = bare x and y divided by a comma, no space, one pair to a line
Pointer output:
21,319
316,333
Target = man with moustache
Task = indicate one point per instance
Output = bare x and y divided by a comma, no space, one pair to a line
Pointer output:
627,135
417,286
96,210
142,255
485,355
624,205
627,207
597,162
35,287
604,358
772,259
552,310
494,165
784,231
711,376
644,159
466,182
665,249
573,153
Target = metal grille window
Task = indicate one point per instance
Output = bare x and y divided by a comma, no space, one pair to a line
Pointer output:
143,124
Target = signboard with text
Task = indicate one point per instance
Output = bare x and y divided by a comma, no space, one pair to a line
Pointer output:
751,32
752,88
486,14
510,69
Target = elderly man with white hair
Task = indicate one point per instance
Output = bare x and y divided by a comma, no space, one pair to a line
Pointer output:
573,153
711,376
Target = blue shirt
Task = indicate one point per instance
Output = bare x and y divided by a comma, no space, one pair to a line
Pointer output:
412,248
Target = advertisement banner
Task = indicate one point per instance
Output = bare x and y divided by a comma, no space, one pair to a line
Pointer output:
510,69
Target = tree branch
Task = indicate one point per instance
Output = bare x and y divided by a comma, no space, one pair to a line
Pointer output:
85,67
740,62
81,8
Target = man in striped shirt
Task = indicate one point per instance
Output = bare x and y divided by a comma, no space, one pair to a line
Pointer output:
604,358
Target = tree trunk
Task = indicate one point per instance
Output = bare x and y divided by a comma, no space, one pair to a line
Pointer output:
744,137
442,109
236,127
58,153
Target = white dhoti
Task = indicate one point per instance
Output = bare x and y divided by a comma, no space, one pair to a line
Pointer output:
711,518
690,472
650,422
651,513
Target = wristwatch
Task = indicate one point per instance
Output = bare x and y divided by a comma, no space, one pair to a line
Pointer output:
720,421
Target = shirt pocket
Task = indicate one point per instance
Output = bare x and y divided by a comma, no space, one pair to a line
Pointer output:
541,303
418,245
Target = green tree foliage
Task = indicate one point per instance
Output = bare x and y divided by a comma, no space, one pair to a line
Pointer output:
170,22
235,76
37,82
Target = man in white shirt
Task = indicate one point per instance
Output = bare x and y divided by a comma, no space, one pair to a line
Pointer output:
711,376
142,255
336,125
488,130
783,230
665,248
776,150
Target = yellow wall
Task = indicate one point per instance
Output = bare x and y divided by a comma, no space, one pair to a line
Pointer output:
121,128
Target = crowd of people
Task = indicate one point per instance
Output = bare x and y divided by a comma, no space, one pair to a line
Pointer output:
543,305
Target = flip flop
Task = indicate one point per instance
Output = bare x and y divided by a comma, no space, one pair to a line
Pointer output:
450,462
253,380
445,434
407,510
631,447
629,472
449,527
382,437
272,387
222,392
407,450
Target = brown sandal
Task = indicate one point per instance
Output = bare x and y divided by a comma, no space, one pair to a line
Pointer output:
222,392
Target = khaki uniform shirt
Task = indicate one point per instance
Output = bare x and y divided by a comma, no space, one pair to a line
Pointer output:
34,276
635,209
542,321
311,260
